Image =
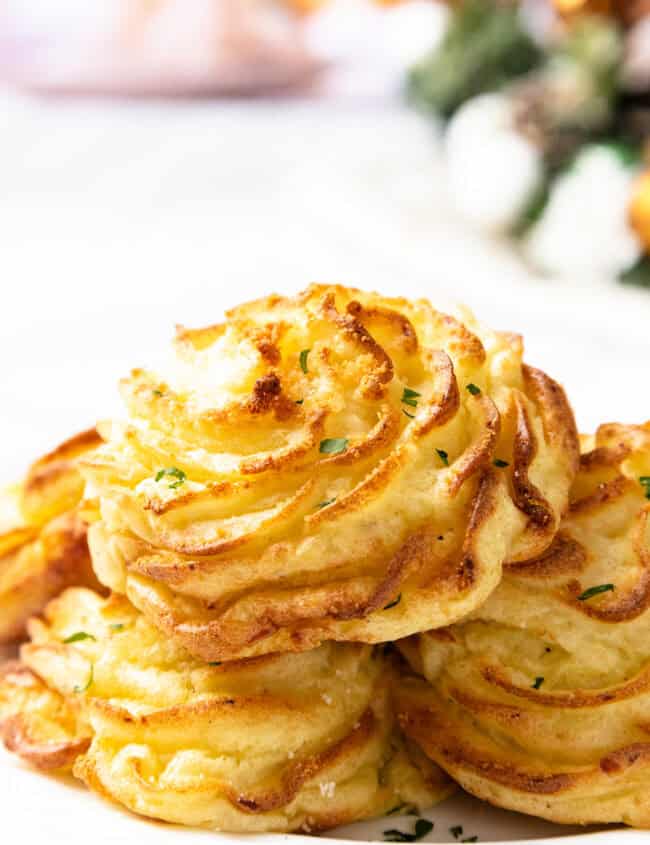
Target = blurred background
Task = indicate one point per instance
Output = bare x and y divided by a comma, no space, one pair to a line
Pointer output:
165,159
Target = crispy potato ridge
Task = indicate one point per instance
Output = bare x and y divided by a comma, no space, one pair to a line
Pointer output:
540,702
323,468
43,543
281,742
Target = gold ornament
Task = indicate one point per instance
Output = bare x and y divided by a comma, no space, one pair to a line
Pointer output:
639,213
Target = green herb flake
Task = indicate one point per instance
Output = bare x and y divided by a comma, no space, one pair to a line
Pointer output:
78,637
538,682
473,389
410,416
501,464
91,678
394,603
444,457
303,360
422,828
333,445
324,504
215,663
595,591
410,397
401,808
394,835
396,810
456,831
644,481
172,472
299,401
117,626
157,392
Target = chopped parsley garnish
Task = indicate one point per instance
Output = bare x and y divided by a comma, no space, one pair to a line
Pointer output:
411,416
172,472
644,481
299,401
394,835
473,389
398,836
303,360
401,808
595,591
77,689
456,831
324,504
538,682
157,392
444,457
394,602
78,637
422,828
333,445
117,626
410,397
501,464
215,663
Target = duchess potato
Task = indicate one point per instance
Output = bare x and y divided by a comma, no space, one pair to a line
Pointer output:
336,466
43,545
275,743
540,701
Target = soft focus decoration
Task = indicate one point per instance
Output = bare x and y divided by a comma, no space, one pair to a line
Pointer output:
155,47
214,47
548,111
640,209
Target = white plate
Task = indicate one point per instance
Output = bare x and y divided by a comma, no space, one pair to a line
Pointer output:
39,808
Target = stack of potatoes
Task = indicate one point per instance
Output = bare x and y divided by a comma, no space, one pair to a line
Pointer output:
344,552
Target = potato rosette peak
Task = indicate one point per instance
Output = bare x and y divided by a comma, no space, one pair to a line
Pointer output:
43,545
333,466
274,743
540,701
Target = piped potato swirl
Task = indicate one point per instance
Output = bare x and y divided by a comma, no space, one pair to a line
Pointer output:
276,743
333,466
43,546
540,701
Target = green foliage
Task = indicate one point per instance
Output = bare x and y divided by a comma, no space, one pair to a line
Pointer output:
638,275
484,48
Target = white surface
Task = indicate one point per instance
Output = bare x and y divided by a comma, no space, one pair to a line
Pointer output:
36,808
117,221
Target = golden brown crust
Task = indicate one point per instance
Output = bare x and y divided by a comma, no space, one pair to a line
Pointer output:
526,495
44,548
540,701
328,454
26,731
276,743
